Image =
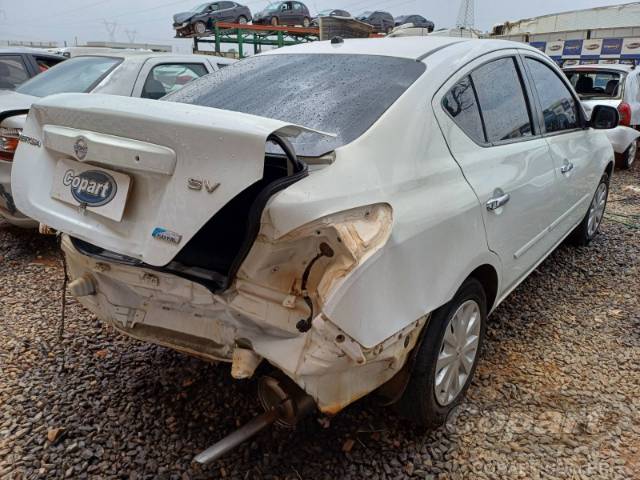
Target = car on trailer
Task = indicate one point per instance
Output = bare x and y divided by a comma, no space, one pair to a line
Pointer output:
417,21
352,230
284,13
617,85
17,65
331,12
382,22
203,17
129,74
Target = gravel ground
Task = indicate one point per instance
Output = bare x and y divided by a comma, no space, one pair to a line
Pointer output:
555,395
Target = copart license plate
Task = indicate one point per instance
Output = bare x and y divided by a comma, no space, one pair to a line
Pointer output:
96,189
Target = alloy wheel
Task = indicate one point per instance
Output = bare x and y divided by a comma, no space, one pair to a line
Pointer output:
596,210
631,154
458,352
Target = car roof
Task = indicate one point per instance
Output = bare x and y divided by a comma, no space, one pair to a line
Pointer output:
140,55
28,50
608,66
414,48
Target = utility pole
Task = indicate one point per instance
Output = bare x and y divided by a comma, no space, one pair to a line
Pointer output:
111,29
466,15
131,35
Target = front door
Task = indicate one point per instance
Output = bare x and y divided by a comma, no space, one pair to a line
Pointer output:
571,145
488,121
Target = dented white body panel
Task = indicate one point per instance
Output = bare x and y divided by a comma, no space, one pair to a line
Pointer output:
403,227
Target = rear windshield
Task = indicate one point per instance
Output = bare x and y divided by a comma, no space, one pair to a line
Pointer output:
333,93
596,84
77,75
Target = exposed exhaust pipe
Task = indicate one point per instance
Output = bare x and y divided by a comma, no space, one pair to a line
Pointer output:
284,403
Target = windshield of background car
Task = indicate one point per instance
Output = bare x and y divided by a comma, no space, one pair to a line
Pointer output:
332,93
273,7
200,8
596,84
77,75
364,15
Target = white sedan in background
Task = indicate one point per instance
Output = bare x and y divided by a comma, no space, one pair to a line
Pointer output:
618,86
129,74
354,237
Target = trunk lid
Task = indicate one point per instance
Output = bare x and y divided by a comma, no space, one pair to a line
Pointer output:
134,176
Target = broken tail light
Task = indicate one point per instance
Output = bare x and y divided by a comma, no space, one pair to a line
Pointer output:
9,138
306,265
625,114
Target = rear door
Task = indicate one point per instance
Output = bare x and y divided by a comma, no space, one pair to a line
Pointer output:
571,145
489,123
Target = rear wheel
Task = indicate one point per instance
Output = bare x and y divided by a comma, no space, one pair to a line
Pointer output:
447,357
242,20
274,21
590,225
629,156
306,22
200,28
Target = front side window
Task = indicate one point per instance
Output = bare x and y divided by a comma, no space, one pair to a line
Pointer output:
13,71
170,77
502,101
77,75
558,105
331,93
460,103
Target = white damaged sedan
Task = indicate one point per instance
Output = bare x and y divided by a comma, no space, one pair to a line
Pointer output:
349,211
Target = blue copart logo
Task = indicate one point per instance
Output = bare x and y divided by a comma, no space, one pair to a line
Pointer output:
92,188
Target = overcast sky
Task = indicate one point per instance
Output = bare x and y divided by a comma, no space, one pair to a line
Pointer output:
58,20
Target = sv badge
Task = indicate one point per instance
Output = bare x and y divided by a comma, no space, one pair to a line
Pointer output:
197,184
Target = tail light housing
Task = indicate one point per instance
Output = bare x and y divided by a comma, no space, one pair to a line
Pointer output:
9,138
625,114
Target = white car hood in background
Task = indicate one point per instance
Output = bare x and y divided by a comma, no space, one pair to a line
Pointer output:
161,146
621,136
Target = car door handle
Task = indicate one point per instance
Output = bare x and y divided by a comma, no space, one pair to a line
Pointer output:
498,201
566,167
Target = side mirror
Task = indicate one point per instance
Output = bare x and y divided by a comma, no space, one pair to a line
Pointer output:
604,117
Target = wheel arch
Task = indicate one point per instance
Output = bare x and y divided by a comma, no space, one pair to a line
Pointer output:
609,169
488,277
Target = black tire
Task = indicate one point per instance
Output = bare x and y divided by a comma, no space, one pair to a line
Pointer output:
629,156
583,234
242,20
199,28
418,402
306,22
274,21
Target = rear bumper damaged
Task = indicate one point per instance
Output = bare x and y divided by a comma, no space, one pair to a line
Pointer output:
259,317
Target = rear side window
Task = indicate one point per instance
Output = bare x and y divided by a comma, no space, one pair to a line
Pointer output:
558,105
12,71
502,101
460,103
